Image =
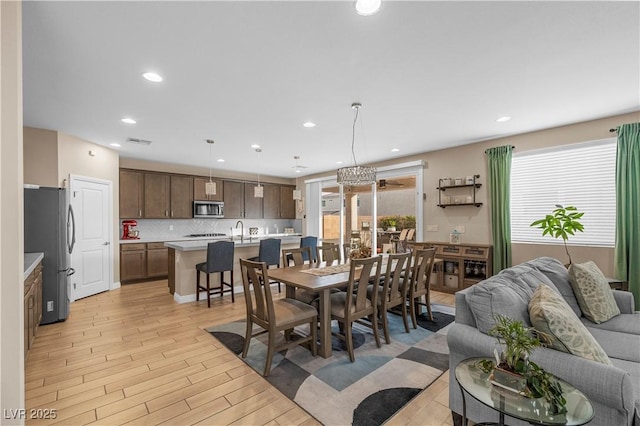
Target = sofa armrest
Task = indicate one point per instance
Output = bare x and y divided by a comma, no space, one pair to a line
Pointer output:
625,301
603,384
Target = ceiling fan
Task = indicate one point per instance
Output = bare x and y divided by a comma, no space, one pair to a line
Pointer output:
383,183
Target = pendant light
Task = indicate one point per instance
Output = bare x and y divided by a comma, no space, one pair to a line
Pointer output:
210,187
258,191
356,175
297,194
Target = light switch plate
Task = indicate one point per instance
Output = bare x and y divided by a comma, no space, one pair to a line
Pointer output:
459,229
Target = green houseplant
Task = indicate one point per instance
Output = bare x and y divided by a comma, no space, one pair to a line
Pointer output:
563,221
513,369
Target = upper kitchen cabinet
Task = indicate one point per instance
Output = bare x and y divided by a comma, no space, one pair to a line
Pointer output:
131,194
287,203
199,193
252,205
157,195
181,196
239,202
271,202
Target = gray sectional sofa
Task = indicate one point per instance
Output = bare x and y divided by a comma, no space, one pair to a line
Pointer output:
614,389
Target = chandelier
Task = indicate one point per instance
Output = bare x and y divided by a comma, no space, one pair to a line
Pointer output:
356,175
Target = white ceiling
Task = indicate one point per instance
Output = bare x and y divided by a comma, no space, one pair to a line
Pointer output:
430,75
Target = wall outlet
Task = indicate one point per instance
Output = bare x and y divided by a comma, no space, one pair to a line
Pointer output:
170,227
432,228
459,229
49,305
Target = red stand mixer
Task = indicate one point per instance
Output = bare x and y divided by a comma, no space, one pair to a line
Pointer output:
128,233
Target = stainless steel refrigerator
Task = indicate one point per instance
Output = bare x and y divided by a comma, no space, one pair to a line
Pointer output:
49,227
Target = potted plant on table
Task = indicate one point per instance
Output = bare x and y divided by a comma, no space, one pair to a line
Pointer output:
514,371
563,221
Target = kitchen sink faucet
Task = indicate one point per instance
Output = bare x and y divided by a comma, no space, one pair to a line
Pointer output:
241,230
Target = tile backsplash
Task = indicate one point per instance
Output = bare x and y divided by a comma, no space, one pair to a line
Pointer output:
174,229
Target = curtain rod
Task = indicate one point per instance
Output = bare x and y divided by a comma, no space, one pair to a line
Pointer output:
486,150
613,130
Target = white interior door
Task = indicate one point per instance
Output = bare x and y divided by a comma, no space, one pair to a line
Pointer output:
91,257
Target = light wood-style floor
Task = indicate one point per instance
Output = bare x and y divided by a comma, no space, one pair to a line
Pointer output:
134,356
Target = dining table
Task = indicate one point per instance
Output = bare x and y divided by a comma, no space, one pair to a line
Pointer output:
319,278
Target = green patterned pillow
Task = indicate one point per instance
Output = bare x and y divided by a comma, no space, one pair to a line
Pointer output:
550,314
593,292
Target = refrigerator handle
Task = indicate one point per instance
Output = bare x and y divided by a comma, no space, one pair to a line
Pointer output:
71,229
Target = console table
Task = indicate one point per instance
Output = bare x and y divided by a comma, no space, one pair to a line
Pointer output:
475,382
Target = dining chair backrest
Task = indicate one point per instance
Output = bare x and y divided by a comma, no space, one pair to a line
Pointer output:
312,242
295,256
269,251
254,277
411,233
361,271
393,287
423,260
403,234
330,253
220,256
346,250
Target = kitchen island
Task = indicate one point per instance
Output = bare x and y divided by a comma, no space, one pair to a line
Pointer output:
185,255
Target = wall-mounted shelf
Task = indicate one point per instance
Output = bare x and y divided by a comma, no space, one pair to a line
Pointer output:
459,197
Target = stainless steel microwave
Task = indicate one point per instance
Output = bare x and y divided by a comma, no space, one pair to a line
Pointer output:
208,209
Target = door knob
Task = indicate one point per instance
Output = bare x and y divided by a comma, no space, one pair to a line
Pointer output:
106,243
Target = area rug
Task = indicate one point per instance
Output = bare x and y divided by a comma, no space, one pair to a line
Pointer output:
366,392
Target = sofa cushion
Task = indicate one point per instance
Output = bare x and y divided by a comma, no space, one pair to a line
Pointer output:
593,292
551,315
527,278
623,323
496,296
618,345
558,274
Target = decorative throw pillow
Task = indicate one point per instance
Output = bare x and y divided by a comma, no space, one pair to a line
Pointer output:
550,314
593,292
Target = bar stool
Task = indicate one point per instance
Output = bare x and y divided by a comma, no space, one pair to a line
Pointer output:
269,253
219,259
312,242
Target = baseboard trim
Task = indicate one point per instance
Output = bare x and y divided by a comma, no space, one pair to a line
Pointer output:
115,285
187,298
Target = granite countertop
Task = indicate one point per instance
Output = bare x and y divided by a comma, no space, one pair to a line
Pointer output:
31,260
201,243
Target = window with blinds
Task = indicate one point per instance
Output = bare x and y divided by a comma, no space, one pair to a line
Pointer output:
580,175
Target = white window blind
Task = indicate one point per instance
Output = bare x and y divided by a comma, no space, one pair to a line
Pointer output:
580,175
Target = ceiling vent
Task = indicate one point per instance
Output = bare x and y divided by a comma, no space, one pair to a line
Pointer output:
139,141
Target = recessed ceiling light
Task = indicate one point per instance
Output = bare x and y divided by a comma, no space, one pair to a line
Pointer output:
503,119
297,171
395,150
117,145
255,146
152,76
220,160
367,7
309,124
128,120
338,162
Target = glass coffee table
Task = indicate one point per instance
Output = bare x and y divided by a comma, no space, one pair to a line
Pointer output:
475,382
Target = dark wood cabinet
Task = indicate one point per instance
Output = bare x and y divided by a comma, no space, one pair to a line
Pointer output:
131,194
199,193
181,195
287,203
133,262
140,261
233,199
252,205
157,195
271,202
157,260
460,266
32,307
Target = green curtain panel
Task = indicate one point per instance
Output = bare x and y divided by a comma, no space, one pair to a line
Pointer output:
499,167
627,252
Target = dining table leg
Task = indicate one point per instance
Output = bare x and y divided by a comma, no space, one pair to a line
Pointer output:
324,317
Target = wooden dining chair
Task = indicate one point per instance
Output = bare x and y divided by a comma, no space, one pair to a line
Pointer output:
296,256
393,291
419,281
353,304
274,316
330,253
401,241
